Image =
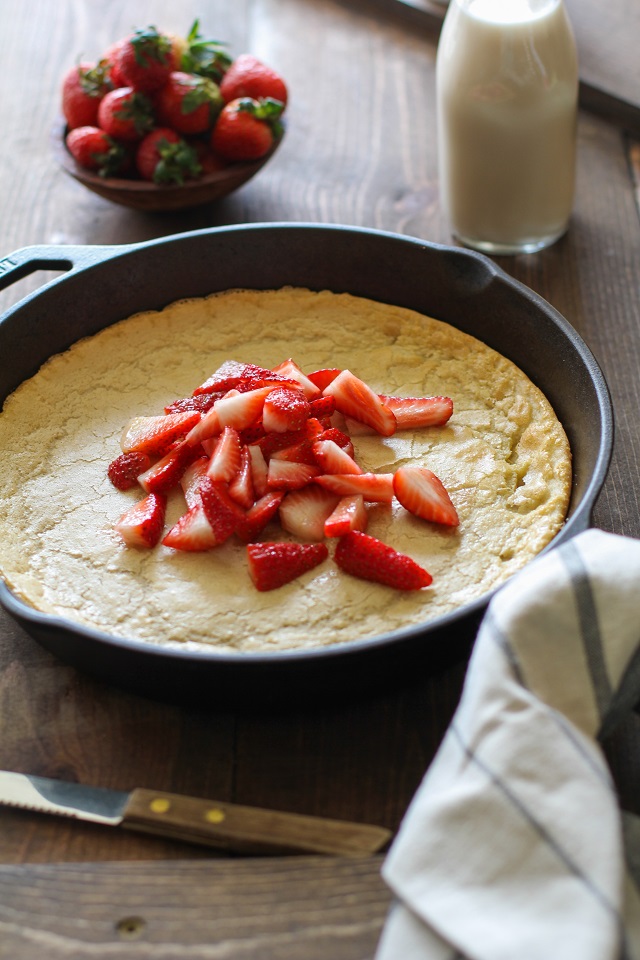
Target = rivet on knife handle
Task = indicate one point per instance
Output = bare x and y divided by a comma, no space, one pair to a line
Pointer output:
243,829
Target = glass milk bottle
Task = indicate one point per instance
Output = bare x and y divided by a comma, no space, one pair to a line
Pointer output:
507,91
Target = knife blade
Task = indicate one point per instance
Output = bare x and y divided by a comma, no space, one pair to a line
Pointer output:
227,826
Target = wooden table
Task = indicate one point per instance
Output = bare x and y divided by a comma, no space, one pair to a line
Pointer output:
360,149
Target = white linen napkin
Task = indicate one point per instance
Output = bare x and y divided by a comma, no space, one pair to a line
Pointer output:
514,847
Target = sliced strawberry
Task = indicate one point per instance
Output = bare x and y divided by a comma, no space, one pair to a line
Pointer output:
226,457
125,469
343,441
156,435
235,409
356,399
268,379
242,409
208,426
253,434
374,487
222,512
141,525
349,514
301,452
190,481
289,475
285,410
279,441
167,472
203,402
303,512
419,411
230,374
357,429
242,377
258,516
273,442
271,565
241,486
208,445
259,470
192,532
314,427
322,407
290,369
423,494
322,378
370,559
333,459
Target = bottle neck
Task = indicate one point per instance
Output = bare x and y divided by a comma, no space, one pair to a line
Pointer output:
508,11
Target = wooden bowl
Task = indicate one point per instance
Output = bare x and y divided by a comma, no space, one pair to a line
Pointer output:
150,197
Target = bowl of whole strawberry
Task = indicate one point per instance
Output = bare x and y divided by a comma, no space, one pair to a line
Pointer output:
163,122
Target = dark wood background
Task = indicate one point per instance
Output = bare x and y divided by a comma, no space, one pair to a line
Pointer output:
360,149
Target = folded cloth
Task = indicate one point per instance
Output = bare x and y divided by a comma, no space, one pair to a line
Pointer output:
514,845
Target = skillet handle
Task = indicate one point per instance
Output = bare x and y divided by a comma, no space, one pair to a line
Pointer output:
29,260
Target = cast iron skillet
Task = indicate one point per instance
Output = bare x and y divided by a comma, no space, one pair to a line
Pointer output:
105,284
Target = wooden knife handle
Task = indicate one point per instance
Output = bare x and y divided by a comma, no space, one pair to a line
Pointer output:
248,829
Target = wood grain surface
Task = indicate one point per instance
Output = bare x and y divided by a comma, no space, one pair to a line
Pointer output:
360,149
271,910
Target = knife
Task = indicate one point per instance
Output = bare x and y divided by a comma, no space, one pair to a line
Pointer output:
228,826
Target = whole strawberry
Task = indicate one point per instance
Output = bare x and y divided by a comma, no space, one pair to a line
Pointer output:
247,129
177,47
125,114
94,149
164,157
110,59
209,161
197,54
188,103
249,77
83,87
145,61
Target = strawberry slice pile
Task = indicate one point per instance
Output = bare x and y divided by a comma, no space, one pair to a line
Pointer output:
252,444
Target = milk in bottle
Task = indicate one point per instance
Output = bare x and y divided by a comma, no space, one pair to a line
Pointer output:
507,88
